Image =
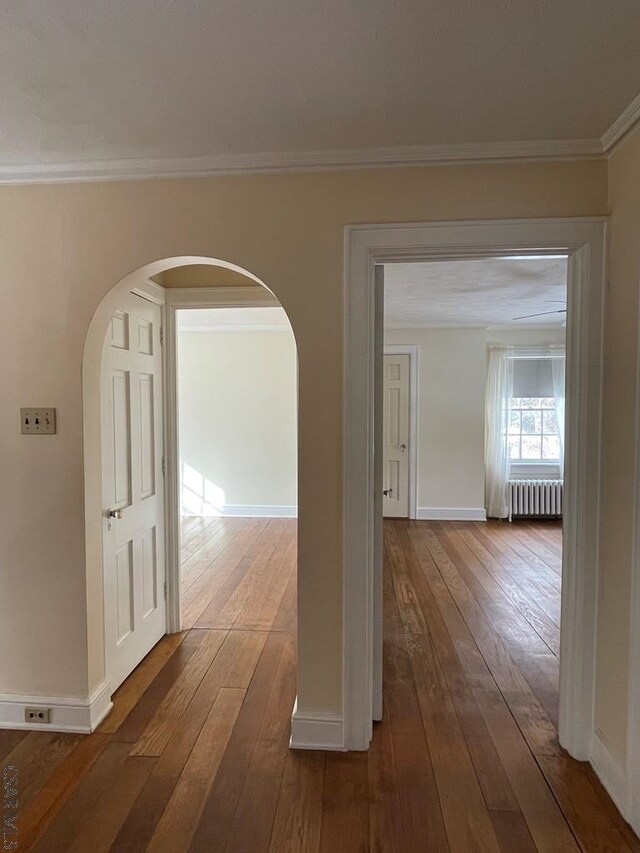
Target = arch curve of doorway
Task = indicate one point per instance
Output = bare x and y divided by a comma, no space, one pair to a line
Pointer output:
142,281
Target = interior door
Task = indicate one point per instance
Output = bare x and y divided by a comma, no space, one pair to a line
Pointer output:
396,436
133,489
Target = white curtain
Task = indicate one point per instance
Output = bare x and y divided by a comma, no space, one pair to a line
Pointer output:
499,393
558,369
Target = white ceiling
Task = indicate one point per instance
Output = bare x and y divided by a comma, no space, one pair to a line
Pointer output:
88,80
480,293
233,319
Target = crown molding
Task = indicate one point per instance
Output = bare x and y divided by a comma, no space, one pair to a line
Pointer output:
296,161
330,159
503,327
625,122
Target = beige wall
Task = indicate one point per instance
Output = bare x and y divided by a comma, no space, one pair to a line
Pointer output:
452,365
63,247
621,342
238,415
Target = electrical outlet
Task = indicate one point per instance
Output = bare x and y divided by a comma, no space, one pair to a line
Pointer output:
37,715
37,421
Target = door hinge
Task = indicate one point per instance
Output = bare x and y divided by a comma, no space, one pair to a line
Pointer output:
165,590
161,335
164,467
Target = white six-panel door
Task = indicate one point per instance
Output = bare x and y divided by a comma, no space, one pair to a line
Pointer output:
395,456
134,564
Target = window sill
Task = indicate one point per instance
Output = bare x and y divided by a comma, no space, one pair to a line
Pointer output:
538,470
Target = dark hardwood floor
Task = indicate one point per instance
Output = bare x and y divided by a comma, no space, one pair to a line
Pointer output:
194,755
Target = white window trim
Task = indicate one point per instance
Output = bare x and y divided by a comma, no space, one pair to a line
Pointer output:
529,463
524,470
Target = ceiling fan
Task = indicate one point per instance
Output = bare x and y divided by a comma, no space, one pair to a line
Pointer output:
545,313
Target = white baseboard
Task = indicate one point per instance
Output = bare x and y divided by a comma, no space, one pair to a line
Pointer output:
245,511
316,730
443,513
67,714
611,771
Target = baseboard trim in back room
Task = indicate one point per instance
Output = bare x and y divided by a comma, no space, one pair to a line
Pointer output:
247,511
443,513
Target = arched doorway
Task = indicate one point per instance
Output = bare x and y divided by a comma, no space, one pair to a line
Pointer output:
163,292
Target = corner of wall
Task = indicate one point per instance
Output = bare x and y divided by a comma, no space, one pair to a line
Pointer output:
316,730
612,772
67,714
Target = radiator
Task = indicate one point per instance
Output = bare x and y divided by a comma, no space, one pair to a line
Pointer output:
535,498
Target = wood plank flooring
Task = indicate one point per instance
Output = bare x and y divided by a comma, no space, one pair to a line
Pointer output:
195,757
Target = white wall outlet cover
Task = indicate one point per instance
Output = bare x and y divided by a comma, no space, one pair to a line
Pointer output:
38,420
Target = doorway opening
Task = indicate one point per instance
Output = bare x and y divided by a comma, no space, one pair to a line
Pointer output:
370,248
442,437
473,400
237,416
135,484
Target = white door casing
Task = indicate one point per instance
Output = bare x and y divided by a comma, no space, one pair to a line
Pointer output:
368,246
396,436
378,498
133,488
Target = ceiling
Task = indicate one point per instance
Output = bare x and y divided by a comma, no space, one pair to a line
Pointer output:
233,319
203,275
199,83
480,293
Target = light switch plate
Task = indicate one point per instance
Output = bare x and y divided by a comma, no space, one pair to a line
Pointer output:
37,421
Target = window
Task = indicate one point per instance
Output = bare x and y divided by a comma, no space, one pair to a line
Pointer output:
533,435
533,430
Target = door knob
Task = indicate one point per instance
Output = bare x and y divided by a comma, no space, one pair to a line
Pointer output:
403,447
387,492
114,513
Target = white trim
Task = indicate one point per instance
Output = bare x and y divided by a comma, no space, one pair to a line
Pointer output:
534,470
172,484
251,511
581,488
455,326
611,772
625,122
530,327
139,281
236,327
133,169
151,291
249,296
633,720
68,714
367,245
295,161
99,704
443,513
316,730
412,350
